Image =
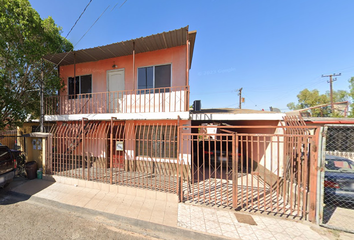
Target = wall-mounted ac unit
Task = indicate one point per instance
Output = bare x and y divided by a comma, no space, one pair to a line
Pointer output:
197,105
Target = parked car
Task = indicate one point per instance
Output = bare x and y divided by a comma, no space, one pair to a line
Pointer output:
217,154
339,180
7,166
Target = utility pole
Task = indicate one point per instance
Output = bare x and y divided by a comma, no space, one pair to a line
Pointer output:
41,105
331,80
240,99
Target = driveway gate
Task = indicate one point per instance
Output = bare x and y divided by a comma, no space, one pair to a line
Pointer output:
261,169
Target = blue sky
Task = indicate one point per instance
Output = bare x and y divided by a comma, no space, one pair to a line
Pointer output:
272,49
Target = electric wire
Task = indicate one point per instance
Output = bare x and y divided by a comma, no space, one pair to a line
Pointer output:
90,29
77,20
119,6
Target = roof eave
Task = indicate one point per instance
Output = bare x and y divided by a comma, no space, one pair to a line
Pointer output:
154,42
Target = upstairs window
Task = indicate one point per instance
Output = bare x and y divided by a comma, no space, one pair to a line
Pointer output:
154,77
81,85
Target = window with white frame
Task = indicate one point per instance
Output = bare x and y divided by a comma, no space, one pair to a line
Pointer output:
81,85
154,77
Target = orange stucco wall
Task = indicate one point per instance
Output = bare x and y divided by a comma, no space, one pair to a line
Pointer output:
97,144
175,56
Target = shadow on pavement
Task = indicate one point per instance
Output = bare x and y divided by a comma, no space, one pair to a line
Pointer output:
21,189
330,209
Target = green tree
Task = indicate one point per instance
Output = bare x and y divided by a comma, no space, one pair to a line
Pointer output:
307,99
351,95
24,39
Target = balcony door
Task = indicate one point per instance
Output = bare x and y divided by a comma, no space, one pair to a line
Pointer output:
115,88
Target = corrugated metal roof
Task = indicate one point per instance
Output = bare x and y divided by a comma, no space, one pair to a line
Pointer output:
154,42
191,37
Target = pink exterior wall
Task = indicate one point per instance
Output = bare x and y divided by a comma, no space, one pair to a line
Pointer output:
175,56
130,146
97,144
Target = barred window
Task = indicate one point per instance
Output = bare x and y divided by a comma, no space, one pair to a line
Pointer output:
156,141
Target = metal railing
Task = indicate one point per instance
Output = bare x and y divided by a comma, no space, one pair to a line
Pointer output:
170,99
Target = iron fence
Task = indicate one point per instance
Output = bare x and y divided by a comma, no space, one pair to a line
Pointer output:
115,152
337,178
251,168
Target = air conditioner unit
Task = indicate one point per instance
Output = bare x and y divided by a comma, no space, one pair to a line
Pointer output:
197,105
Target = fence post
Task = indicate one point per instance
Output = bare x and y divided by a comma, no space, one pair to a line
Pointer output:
320,178
178,179
313,176
83,147
111,153
234,169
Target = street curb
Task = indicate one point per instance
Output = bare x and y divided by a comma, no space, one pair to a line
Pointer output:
129,224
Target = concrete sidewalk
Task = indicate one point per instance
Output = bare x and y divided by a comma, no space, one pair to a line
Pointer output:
165,210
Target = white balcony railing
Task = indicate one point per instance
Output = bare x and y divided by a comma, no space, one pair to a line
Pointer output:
171,99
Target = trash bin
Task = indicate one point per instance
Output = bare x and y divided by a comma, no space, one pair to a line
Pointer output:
31,169
40,173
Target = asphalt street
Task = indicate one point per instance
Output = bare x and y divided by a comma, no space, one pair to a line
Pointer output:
30,219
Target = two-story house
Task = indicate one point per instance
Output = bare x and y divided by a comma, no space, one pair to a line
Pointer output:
123,118
120,109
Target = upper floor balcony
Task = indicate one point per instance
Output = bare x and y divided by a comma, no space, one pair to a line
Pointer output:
152,100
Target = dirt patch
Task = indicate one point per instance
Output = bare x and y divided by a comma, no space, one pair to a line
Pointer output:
243,218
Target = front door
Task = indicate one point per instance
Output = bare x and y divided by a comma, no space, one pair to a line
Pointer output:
115,88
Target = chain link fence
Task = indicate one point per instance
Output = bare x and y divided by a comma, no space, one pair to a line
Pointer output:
337,178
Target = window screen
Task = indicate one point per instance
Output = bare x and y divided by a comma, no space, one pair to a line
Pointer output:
81,85
163,76
145,78
86,84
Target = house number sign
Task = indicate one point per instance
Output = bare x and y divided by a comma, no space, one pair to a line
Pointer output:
119,145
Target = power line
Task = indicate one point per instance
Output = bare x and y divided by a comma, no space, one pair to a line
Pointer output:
286,93
207,93
119,6
98,19
92,25
78,19
90,29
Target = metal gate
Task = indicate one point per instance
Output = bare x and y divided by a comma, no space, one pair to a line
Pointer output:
260,169
336,206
